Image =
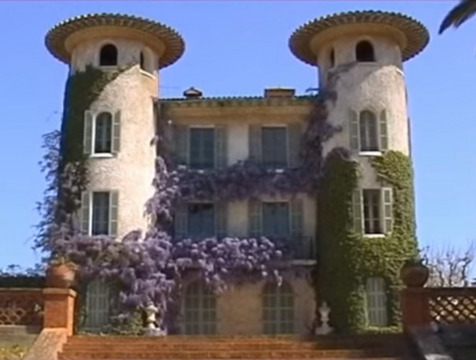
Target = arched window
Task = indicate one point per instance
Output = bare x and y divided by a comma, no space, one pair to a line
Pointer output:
199,310
332,58
108,55
368,131
97,305
364,52
141,61
278,309
103,133
376,301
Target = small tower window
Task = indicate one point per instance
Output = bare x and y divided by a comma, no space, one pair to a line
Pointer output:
142,66
364,52
108,55
332,58
103,133
368,131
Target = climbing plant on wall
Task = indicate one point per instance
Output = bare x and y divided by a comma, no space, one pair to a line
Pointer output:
346,257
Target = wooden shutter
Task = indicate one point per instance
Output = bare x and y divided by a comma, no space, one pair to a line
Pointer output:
221,218
294,131
113,212
181,221
182,143
88,132
296,212
116,132
387,207
357,210
220,146
383,132
254,138
354,131
255,218
85,211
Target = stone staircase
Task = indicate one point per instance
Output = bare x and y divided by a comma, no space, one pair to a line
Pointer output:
374,347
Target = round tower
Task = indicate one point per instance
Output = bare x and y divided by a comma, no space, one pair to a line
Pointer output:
366,219
360,56
109,118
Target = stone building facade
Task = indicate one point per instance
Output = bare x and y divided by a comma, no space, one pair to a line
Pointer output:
361,53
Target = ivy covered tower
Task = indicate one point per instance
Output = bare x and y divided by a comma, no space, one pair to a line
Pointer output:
109,121
366,221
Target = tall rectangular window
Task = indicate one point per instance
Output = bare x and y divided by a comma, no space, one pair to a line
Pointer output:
368,131
103,133
372,211
376,301
202,148
274,147
100,213
201,220
276,222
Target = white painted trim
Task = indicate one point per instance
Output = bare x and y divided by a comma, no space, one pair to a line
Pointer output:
102,155
374,236
370,153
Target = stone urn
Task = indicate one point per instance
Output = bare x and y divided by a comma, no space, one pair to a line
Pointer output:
414,273
60,274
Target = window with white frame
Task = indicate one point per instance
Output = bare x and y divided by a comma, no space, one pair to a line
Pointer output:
101,133
97,305
200,310
373,210
368,131
376,302
278,308
99,212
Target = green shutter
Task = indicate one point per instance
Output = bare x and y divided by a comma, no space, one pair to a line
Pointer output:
354,131
220,146
296,207
294,143
255,218
182,141
88,132
383,131
357,210
254,138
85,212
221,218
180,220
387,210
113,212
116,132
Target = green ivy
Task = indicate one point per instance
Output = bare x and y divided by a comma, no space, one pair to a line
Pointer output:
346,259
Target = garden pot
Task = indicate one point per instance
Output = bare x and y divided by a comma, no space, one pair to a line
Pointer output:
60,276
414,274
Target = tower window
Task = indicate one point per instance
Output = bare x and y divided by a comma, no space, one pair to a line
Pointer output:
376,301
108,55
368,131
332,57
372,211
103,133
364,52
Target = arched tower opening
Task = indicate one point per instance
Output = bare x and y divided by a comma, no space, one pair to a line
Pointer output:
364,51
108,55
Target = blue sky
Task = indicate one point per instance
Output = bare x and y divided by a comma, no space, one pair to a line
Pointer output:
239,48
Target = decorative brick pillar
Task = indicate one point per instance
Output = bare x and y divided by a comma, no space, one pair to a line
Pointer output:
415,307
59,309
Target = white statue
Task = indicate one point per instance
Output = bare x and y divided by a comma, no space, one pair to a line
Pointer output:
151,312
324,329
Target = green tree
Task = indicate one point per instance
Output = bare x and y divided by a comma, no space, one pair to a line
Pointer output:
458,15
